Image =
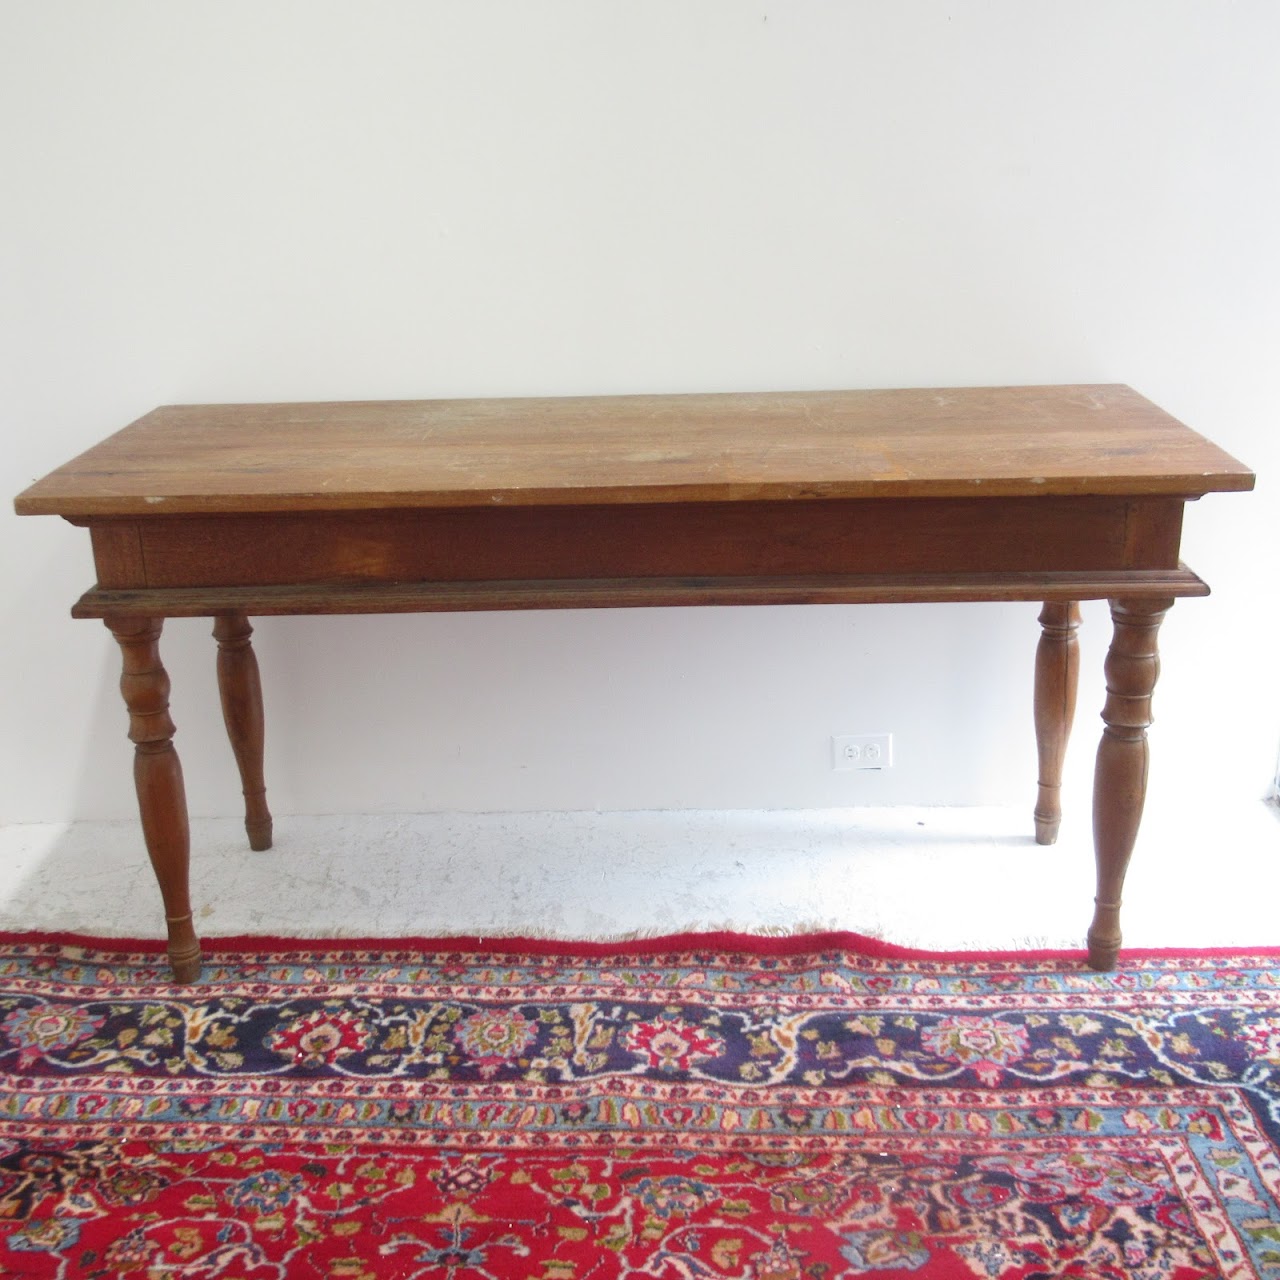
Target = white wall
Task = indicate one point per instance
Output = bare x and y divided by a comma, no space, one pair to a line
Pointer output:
304,200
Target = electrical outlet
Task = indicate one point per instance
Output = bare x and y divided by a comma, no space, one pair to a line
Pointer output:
862,751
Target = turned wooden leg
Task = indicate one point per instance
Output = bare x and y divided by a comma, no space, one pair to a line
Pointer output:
157,774
241,691
1057,672
1120,778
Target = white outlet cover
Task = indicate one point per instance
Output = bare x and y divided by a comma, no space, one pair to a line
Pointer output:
862,751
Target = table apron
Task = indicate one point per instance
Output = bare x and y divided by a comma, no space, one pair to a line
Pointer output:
816,538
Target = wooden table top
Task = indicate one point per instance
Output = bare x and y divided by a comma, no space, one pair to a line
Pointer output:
936,443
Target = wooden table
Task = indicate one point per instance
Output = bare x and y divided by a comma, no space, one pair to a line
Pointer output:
1052,494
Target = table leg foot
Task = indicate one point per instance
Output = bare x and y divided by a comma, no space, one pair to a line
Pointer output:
240,688
184,950
157,775
1057,676
1120,777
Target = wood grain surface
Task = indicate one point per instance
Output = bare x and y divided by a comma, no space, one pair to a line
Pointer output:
936,443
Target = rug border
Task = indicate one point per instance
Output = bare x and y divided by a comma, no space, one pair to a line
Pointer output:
783,944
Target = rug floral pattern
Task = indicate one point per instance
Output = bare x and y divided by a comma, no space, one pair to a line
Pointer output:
708,1107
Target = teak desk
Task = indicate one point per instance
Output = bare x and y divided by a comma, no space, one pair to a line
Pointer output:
1052,494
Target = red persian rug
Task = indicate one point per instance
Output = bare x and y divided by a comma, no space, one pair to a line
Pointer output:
694,1108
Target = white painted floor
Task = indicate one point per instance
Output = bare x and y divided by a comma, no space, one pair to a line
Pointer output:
934,878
